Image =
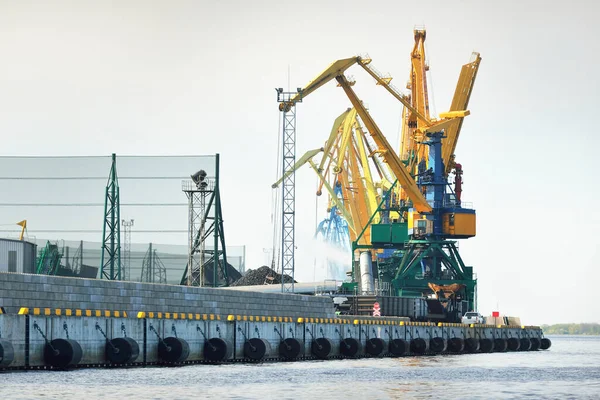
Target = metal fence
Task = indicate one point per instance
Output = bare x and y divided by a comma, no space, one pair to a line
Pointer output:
63,199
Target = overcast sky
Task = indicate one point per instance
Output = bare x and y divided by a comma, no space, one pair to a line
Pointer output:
198,77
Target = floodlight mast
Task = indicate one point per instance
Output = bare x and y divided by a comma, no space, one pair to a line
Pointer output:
287,102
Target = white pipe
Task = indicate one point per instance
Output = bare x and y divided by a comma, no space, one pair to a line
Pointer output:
366,278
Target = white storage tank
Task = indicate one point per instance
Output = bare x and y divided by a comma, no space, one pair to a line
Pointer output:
17,256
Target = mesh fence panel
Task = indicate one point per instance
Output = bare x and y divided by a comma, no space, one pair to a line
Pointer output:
62,199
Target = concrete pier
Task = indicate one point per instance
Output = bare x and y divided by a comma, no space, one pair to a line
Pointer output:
66,339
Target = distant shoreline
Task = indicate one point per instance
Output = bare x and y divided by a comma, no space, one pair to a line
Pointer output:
572,329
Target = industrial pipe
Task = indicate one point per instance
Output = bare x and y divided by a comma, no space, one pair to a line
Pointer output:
366,275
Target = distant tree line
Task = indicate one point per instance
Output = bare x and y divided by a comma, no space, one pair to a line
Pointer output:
572,329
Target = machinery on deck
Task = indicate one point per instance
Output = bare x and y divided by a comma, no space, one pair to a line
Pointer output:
415,253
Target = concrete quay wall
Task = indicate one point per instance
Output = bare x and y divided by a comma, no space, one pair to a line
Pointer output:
59,339
42,291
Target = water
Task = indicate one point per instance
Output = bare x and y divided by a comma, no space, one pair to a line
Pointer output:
569,370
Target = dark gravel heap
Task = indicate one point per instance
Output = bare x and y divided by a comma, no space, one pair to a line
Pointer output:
232,274
259,276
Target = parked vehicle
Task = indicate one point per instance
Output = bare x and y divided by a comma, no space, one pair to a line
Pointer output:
472,318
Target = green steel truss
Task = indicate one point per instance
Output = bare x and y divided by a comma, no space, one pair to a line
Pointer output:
110,263
48,261
206,220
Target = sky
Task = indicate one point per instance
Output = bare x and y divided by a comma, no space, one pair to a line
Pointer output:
198,77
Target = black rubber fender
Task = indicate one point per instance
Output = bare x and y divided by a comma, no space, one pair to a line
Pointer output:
256,349
398,347
513,344
486,345
349,347
437,345
456,345
471,345
290,348
62,353
535,344
7,353
419,346
524,344
321,347
217,349
500,345
122,350
374,346
173,350
546,344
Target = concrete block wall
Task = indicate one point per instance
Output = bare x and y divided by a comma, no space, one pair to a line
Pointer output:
30,290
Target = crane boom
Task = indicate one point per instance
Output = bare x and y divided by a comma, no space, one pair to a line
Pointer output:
307,158
385,82
303,160
388,153
460,101
333,70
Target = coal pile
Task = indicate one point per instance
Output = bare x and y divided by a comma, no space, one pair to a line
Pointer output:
232,273
261,276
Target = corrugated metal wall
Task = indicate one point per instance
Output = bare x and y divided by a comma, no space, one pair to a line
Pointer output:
21,255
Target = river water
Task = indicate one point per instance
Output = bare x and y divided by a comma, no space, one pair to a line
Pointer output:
569,370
